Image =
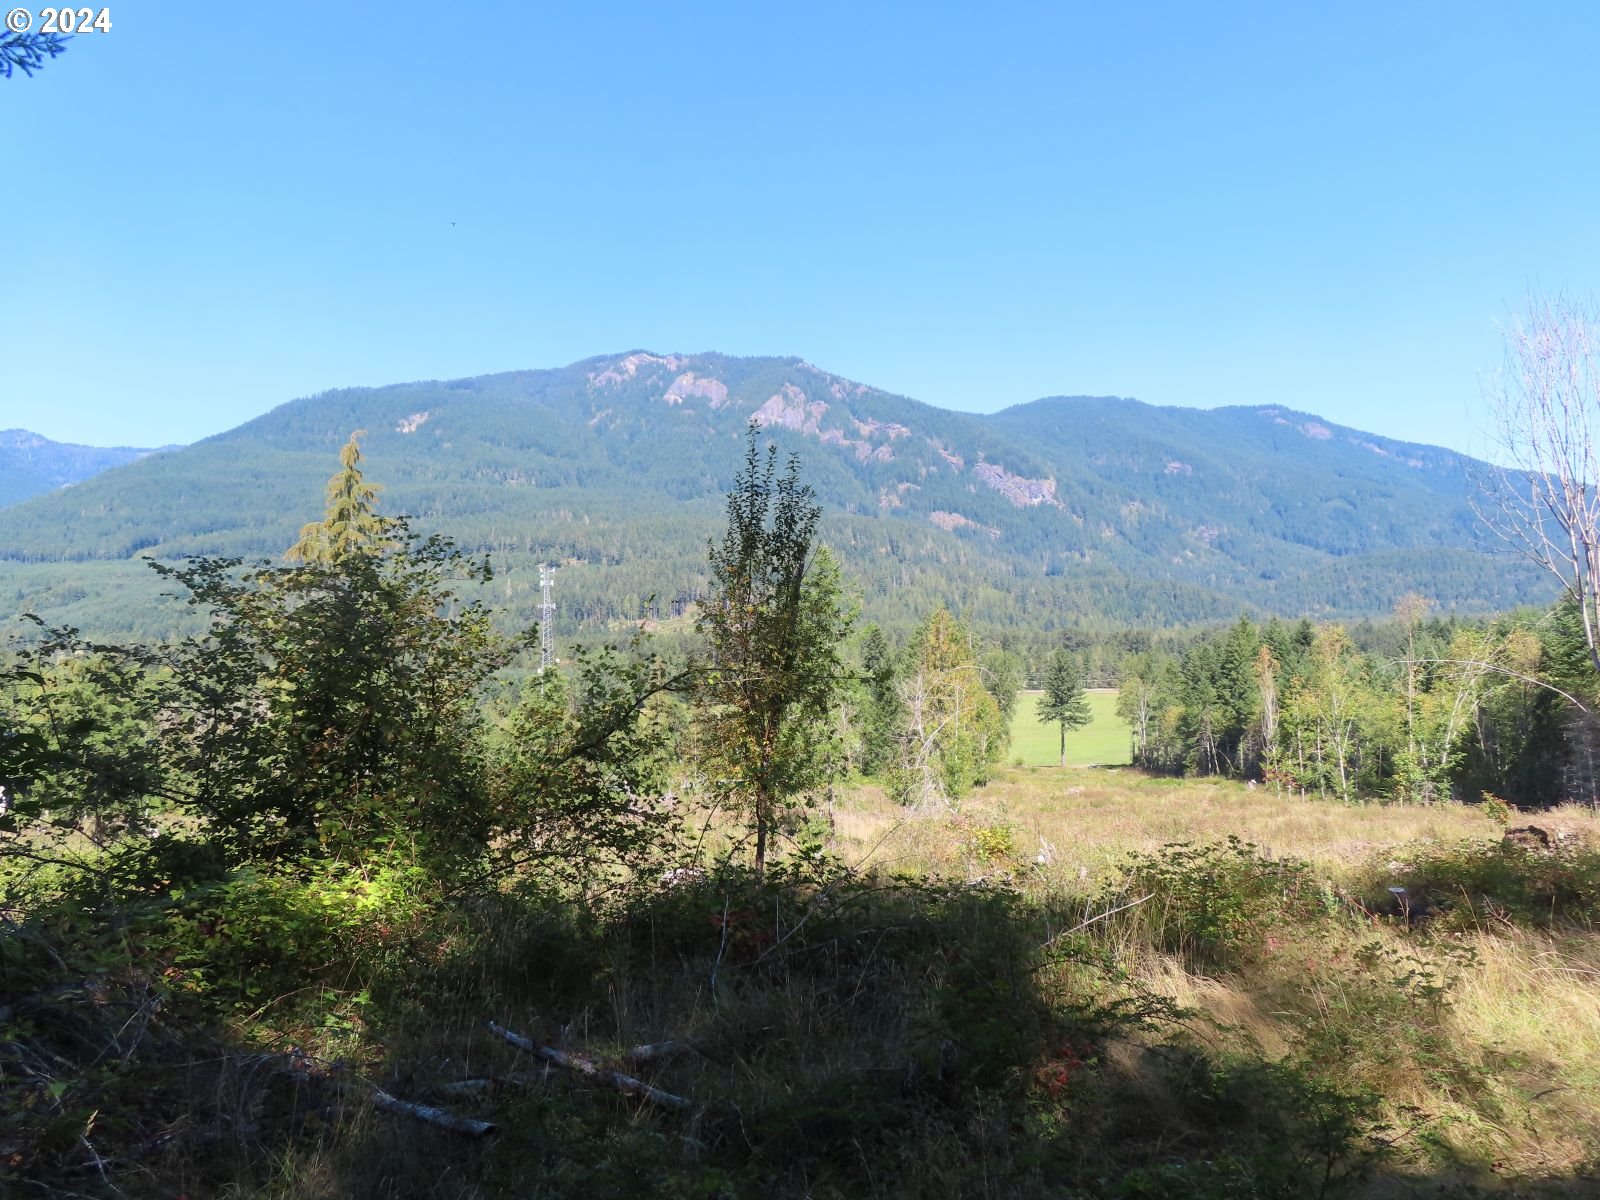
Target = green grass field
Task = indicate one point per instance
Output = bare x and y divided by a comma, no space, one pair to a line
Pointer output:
1103,741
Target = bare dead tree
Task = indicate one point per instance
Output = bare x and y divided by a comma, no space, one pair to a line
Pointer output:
1542,497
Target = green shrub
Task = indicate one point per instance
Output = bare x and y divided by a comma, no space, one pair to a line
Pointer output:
1217,902
1261,1131
1496,809
995,843
1470,882
258,934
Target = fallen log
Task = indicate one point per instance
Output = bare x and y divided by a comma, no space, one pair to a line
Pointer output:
572,1062
656,1051
432,1116
305,1068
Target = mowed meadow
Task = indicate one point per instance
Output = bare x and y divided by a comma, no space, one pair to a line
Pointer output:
1103,742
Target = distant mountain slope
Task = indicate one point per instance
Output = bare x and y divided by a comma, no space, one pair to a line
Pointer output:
1061,511
31,465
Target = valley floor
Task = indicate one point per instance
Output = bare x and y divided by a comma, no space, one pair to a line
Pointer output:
1105,741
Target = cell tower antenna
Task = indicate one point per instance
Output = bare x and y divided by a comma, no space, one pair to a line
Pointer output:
547,618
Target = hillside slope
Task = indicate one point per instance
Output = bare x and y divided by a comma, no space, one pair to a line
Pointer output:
31,464
1062,511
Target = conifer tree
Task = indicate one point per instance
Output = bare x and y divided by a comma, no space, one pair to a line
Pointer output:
351,523
882,711
334,702
1064,702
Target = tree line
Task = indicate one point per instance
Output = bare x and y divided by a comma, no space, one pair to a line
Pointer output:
1428,710
352,699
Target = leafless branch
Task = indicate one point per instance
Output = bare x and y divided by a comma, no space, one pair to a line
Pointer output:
1489,666
573,1062
1542,498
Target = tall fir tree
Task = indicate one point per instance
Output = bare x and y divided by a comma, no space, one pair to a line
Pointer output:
1065,703
882,712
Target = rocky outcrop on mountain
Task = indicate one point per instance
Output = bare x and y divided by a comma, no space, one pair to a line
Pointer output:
1024,493
688,384
629,367
1070,505
889,429
952,521
790,409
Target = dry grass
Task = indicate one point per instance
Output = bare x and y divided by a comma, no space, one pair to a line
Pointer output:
1095,816
898,1041
1503,1073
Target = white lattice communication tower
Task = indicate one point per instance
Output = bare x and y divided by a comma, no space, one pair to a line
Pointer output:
547,618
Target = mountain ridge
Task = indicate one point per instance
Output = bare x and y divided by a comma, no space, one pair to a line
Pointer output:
32,464
1051,512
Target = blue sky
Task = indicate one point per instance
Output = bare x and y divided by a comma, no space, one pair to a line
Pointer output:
218,207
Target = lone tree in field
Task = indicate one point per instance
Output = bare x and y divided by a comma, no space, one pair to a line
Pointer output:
1064,703
775,622
1543,499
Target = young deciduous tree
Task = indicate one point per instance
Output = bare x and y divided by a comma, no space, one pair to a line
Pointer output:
952,731
1064,702
1003,675
1544,500
775,622
578,769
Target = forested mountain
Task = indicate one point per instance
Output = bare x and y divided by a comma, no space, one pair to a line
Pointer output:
31,464
1064,511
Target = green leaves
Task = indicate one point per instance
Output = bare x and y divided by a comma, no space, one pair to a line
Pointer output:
951,730
335,703
577,769
79,763
774,623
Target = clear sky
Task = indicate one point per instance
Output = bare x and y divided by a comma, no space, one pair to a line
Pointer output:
217,207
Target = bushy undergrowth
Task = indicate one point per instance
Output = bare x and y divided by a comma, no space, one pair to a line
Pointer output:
837,1033
1469,884
842,1034
1218,902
